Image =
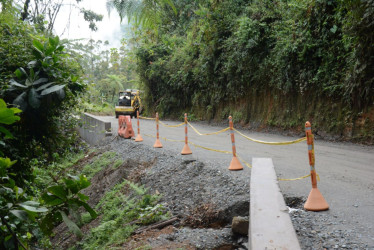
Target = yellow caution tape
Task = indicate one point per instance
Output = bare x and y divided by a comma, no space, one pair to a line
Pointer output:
214,133
228,152
272,143
171,126
147,118
210,149
246,163
165,139
300,178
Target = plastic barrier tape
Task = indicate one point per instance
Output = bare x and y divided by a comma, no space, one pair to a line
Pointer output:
229,152
146,118
272,143
214,133
171,126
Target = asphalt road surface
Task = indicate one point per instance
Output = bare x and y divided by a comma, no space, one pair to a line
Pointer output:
346,170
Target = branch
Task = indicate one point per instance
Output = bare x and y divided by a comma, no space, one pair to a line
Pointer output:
158,225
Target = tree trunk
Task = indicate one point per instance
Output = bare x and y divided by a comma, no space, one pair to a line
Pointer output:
25,12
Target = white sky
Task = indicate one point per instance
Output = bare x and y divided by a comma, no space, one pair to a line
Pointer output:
108,29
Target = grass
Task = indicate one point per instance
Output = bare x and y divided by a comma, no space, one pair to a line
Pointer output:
99,109
99,163
46,175
117,211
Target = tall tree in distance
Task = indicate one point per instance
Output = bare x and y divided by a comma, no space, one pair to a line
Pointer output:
146,13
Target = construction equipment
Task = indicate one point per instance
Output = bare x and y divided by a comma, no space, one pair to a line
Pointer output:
128,103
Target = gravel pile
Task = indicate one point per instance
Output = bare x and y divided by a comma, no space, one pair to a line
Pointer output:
187,185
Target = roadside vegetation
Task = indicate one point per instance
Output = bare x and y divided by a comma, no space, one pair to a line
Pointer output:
267,63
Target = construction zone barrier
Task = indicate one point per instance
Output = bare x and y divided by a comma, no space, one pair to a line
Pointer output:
186,149
125,127
235,163
315,201
138,138
158,142
121,124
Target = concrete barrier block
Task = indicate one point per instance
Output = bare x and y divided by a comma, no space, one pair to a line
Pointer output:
270,224
92,129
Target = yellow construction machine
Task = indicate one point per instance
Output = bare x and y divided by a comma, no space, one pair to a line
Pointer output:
128,103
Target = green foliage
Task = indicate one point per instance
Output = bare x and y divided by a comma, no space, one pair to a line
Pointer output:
46,79
17,210
118,211
91,17
99,163
145,13
216,53
63,200
38,75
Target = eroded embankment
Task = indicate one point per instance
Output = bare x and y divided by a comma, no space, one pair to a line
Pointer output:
202,198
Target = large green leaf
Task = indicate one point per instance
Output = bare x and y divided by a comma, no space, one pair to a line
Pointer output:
23,71
8,135
44,86
35,209
83,197
72,185
90,210
59,191
49,51
84,182
47,223
32,64
20,101
16,110
39,81
52,89
38,45
61,94
18,73
21,214
2,104
6,162
51,200
71,225
7,115
34,98
53,42
14,83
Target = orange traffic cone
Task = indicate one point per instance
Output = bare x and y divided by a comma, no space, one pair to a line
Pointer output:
157,143
138,138
235,163
186,149
315,201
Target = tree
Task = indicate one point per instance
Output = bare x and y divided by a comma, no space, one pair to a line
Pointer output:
142,12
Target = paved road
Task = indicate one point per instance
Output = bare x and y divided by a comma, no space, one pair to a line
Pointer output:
346,170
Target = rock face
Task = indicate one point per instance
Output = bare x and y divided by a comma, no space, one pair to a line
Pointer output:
240,225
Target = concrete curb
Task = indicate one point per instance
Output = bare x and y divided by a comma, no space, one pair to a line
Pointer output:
270,224
92,129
